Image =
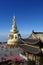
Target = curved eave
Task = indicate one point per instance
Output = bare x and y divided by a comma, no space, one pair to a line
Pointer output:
31,41
30,49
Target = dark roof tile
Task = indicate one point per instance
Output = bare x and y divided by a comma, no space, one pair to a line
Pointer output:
29,49
31,41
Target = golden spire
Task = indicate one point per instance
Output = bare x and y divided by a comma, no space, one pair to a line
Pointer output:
14,26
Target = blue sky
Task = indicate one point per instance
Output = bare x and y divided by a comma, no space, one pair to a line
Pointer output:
29,16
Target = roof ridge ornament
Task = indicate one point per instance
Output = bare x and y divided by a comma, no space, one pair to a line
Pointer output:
32,31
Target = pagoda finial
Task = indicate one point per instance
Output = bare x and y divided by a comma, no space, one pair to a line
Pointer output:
14,22
33,31
14,26
14,19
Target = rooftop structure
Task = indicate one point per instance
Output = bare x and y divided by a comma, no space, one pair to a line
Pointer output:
33,47
36,35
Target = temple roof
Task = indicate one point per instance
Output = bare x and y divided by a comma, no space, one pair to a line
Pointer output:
31,41
30,49
37,32
36,35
